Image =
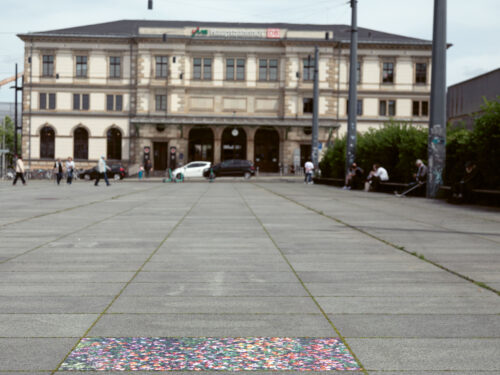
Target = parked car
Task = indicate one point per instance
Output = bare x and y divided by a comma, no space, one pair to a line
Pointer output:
193,169
116,172
232,167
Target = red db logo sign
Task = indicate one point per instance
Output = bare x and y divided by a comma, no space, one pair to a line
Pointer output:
273,33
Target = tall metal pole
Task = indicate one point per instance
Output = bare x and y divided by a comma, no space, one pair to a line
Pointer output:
437,123
315,151
353,95
15,115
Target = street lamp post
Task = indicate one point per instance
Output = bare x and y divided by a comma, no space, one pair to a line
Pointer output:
437,123
353,95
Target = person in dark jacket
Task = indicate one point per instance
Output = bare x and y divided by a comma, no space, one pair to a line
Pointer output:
462,190
58,167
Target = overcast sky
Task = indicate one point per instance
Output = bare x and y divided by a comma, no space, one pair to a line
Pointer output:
473,26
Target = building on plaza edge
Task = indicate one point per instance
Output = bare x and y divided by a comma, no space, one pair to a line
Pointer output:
188,90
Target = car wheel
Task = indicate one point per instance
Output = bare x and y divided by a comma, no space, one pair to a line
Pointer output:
86,177
116,177
178,176
247,175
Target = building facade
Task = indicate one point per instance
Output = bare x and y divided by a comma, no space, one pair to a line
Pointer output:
186,91
464,99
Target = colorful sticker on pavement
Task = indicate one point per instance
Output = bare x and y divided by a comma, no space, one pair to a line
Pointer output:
199,354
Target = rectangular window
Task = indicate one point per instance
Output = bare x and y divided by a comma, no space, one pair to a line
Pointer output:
308,69
262,70
420,108
81,66
197,68
425,108
230,69
110,102
207,69
161,102
388,72
161,66
392,107
268,70
240,70
273,70
118,102
52,101
80,102
387,108
43,101
115,67
202,69
359,107
421,73
308,105
85,102
76,102
358,72
416,108
48,66
382,108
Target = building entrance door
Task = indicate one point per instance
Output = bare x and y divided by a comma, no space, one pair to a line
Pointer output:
160,156
234,144
305,154
267,149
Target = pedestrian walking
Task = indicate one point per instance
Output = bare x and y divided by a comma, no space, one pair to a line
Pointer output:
19,170
101,171
309,168
70,169
58,168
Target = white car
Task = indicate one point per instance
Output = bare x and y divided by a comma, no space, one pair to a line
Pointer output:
193,169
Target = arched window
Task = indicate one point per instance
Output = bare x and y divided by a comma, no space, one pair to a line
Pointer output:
47,143
114,144
81,144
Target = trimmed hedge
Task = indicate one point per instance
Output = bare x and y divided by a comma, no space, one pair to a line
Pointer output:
396,146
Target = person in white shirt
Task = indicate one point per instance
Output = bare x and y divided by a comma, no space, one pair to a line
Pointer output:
377,175
19,170
309,168
102,170
70,168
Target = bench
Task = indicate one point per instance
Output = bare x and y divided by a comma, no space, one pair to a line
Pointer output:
488,197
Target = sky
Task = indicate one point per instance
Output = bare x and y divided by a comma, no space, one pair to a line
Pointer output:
472,28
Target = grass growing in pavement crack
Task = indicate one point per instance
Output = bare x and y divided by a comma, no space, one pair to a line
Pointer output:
402,248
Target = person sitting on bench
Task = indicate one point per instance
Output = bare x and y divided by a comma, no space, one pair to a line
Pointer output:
462,190
377,175
354,179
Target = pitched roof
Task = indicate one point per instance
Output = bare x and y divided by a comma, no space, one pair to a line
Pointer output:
130,28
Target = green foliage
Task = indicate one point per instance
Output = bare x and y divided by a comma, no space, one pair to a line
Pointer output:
458,151
395,146
8,129
486,143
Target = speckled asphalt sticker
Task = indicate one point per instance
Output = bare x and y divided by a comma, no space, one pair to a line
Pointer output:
201,354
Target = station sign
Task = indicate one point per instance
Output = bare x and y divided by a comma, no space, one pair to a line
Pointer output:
237,34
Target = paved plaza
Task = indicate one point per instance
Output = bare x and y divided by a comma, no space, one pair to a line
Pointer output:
320,278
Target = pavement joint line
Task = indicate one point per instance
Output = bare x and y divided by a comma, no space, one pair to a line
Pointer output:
72,208
285,258
450,230
130,281
68,234
400,248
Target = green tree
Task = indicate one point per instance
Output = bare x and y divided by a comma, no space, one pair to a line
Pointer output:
395,145
7,129
486,142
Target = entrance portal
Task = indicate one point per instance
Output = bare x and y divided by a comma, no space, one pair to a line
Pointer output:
234,144
201,145
160,156
267,148
305,154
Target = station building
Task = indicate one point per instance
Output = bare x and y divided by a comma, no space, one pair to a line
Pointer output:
184,91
